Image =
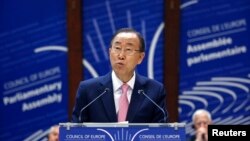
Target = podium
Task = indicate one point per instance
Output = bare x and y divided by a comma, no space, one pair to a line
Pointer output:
122,132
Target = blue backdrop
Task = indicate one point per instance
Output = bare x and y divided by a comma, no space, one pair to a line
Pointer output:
214,60
33,74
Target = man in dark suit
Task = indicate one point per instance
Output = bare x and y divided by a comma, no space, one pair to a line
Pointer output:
122,94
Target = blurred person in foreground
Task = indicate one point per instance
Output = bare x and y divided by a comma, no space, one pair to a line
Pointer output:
201,119
122,95
54,133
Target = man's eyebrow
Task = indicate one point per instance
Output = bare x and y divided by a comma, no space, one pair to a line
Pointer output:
117,42
130,44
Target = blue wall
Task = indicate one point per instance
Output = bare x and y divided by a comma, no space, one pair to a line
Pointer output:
214,61
33,74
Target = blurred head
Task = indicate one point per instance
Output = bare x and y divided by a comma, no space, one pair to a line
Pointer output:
54,133
126,51
201,119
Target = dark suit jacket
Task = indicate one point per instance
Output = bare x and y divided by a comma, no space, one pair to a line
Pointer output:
192,138
141,109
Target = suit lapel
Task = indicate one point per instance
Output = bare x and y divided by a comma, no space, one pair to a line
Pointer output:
136,98
108,99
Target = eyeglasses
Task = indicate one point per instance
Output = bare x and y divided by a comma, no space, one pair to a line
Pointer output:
126,51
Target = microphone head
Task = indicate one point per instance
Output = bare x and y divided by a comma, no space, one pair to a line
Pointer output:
106,89
140,91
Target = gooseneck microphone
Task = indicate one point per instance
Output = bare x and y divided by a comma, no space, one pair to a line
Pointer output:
106,90
142,92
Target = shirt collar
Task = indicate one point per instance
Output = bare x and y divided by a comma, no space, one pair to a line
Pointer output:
117,83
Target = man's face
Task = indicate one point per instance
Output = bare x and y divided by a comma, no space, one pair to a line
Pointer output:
124,54
54,134
202,121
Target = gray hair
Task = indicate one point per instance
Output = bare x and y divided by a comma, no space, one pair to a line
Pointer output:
53,127
131,30
202,111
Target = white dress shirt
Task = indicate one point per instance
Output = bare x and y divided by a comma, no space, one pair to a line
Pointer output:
117,89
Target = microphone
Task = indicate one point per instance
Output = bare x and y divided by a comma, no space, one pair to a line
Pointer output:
106,90
142,92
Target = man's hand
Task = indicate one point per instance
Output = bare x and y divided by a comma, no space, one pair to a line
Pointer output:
201,134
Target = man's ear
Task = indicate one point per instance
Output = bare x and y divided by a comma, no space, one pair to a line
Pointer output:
193,127
142,55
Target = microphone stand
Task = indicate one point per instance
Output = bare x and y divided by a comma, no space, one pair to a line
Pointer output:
106,90
142,92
